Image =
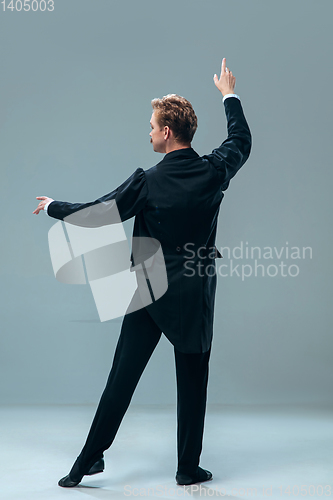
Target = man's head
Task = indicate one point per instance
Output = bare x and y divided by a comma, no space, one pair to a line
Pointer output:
173,123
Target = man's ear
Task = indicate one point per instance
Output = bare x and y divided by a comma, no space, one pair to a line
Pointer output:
167,132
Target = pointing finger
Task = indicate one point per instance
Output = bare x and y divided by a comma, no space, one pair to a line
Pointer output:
223,66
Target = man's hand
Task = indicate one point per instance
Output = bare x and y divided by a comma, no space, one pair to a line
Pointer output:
226,83
42,203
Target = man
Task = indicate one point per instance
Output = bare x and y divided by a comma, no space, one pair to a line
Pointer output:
177,203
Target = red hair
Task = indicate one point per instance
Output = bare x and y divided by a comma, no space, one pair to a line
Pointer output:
177,113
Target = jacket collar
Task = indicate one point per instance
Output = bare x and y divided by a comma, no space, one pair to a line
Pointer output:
180,153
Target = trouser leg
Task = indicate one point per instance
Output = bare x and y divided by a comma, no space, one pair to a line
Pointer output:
192,379
137,341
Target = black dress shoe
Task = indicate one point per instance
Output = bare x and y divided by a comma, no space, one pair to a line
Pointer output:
199,477
97,467
69,482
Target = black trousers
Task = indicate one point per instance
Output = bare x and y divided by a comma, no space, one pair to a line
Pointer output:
138,338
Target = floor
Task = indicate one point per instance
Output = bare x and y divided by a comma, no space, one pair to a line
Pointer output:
252,451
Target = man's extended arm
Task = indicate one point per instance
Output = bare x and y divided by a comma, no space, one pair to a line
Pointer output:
235,150
128,199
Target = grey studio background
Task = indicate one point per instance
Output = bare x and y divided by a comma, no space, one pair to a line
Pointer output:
76,86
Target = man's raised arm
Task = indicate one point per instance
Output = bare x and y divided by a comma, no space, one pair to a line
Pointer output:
235,150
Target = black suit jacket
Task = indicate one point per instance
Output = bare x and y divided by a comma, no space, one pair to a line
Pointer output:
177,202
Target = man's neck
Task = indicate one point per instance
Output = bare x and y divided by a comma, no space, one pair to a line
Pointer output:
176,146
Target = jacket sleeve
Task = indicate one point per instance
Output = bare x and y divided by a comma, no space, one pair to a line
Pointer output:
117,206
235,150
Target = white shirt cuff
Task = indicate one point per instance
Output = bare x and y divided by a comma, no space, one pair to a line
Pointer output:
230,95
46,206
